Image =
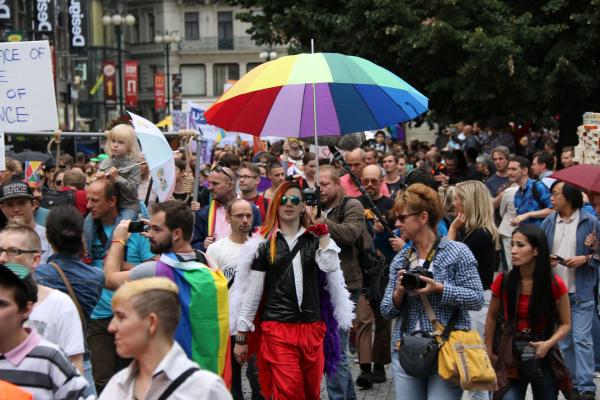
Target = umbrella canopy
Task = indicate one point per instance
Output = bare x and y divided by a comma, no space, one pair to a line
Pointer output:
584,176
29,156
351,94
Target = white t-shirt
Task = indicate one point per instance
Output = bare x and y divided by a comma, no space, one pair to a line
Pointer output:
56,320
225,254
46,249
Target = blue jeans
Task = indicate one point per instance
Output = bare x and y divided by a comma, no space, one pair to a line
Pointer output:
543,387
578,347
596,336
432,388
341,385
87,372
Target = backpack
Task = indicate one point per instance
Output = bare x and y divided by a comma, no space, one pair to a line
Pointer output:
53,199
375,269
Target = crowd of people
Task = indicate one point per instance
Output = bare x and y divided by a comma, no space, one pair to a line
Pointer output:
107,292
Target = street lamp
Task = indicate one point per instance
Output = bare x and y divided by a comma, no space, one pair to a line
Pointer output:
117,20
267,55
167,38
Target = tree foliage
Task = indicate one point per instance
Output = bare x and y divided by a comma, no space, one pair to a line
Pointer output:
509,59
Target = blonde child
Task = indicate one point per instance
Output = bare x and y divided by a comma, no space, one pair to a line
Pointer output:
123,151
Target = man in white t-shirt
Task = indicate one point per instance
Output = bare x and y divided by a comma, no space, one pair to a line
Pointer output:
225,253
54,316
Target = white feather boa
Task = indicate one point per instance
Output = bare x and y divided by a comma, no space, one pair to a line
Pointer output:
336,286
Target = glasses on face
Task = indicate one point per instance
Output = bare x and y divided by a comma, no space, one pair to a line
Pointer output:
370,181
247,177
58,182
241,216
402,217
294,199
556,194
13,251
220,170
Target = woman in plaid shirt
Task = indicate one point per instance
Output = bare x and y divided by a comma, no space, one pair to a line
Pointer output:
455,285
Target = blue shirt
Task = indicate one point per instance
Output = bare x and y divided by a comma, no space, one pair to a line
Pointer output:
526,202
137,250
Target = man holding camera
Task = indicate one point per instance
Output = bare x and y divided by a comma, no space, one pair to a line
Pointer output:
99,228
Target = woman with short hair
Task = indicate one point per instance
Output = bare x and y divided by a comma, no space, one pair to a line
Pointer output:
145,316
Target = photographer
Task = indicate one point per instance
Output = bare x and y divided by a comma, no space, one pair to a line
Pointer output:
535,306
453,284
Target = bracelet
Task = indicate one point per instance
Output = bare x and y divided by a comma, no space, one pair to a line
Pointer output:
241,339
119,241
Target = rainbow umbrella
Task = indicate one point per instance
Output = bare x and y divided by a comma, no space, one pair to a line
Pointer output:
325,94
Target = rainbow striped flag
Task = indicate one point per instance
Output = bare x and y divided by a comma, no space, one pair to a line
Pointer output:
33,173
212,216
203,330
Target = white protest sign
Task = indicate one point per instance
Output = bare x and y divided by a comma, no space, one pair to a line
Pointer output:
27,100
2,153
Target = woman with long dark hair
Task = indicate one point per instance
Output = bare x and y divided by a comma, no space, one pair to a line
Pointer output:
535,305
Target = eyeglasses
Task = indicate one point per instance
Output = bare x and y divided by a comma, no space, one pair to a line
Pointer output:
58,182
294,199
402,217
244,177
220,170
241,216
12,252
372,181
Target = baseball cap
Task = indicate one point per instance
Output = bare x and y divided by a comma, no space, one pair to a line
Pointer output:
100,157
17,274
15,190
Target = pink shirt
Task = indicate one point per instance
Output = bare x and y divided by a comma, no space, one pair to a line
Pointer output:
16,355
222,227
352,191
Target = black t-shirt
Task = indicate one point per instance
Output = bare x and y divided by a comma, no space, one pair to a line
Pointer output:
482,245
394,188
496,184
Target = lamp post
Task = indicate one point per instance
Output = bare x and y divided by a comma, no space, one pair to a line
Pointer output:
267,55
168,37
117,20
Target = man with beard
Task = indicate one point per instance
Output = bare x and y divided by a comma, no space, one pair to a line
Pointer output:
99,226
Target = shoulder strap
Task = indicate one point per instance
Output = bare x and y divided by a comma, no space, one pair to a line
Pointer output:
177,382
536,193
341,208
100,233
445,334
71,292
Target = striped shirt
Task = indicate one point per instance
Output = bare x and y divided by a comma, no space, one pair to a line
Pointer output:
42,369
453,265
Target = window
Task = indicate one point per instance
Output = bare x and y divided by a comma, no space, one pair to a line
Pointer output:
193,80
151,27
135,30
251,65
222,73
225,30
192,27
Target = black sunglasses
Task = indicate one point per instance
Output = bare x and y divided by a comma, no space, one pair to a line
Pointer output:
402,217
221,170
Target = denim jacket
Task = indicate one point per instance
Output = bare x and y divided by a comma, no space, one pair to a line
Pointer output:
87,281
586,276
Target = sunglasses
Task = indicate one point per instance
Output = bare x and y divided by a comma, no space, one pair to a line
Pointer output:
372,181
294,199
220,170
58,182
402,217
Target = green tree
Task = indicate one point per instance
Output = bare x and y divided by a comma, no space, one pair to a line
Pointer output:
508,59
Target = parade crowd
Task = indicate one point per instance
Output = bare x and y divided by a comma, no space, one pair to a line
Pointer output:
107,292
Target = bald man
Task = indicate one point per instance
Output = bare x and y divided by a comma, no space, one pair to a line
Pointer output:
356,161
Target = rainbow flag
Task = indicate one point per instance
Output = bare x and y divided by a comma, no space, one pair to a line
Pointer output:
220,136
212,216
203,330
33,173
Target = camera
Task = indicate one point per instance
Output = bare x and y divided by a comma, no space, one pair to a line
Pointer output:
529,365
311,196
412,279
138,226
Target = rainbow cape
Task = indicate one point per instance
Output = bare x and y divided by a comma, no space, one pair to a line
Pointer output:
203,330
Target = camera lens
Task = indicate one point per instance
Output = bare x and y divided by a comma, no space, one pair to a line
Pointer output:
410,281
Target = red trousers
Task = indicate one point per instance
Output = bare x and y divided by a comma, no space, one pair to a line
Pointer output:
291,360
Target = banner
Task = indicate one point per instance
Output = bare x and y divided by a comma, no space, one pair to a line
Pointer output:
43,15
131,83
159,91
195,116
77,25
176,92
109,71
6,12
27,99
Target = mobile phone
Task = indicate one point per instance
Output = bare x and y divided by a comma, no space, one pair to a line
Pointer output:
558,258
137,226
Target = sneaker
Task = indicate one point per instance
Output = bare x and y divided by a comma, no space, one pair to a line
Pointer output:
365,380
587,395
379,374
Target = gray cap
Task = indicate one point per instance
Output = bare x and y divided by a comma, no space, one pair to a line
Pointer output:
15,190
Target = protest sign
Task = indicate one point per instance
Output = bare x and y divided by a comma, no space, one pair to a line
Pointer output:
27,100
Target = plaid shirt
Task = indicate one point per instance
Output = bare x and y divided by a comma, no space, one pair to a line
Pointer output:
454,265
525,200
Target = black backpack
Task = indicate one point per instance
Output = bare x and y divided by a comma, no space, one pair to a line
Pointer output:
53,199
375,269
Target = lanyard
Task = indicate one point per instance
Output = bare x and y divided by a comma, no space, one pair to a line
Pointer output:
429,257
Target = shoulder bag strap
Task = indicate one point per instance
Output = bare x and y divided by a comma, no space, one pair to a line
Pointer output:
101,234
177,382
71,292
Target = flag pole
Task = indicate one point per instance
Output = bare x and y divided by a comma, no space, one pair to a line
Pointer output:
197,165
314,93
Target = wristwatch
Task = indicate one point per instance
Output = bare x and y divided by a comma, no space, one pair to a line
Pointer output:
241,339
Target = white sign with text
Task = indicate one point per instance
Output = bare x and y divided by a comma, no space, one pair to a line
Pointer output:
27,98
